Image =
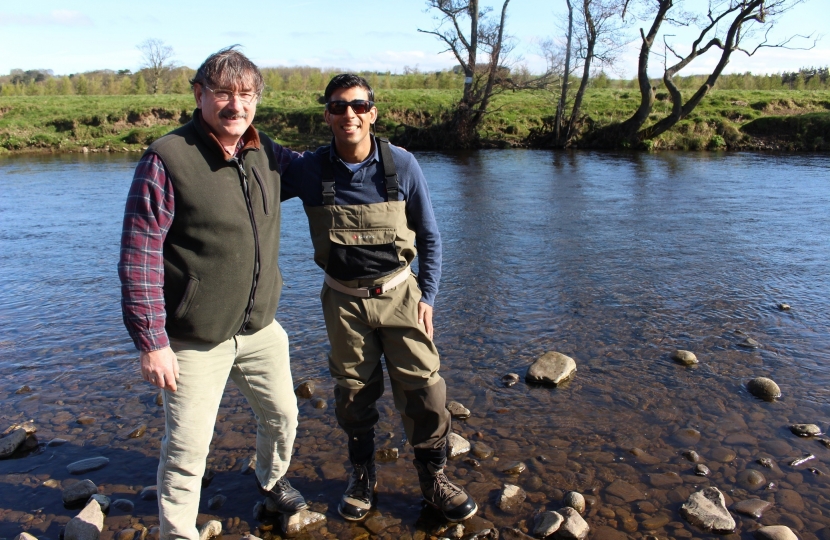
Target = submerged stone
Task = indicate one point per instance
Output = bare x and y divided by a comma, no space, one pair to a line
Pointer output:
752,507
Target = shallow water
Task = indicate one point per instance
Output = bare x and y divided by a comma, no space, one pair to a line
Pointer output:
613,259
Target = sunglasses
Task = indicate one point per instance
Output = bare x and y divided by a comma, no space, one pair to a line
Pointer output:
359,106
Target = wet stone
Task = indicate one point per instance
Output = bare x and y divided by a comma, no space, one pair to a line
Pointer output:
724,455
482,451
511,498
458,445
149,493
702,470
764,388
766,462
87,465
551,368
103,501
575,500
692,456
305,389
79,492
783,306
319,403
25,536
159,399
472,462
85,420
124,505
790,499
625,491
574,527
387,454
12,442
510,379
216,502
775,532
687,436
547,523
805,430
749,343
51,483
707,509
138,432
56,442
515,467
656,522
751,479
303,520
665,480
752,507
87,525
687,358
25,389
126,534
458,410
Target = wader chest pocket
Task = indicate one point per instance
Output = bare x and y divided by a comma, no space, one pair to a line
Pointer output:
362,253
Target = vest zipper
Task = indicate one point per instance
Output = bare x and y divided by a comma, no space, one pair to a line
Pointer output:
243,177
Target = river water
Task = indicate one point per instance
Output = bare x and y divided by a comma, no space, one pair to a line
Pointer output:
616,260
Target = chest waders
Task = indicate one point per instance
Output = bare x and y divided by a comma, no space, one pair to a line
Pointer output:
362,248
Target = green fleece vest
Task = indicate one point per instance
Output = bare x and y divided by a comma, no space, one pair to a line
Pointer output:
221,273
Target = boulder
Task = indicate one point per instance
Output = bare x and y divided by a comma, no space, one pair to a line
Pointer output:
551,368
707,509
79,492
87,525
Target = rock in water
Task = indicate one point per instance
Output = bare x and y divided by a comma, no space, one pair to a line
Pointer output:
102,500
511,498
458,445
79,492
211,529
304,519
24,536
551,368
216,502
12,442
575,500
783,306
149,493
87,465
707,509
775,532
752,507
764,388
387,454
509,380
805,430
458,410
305,389
574,527
124,505
687,358
749,343
547,523
87,525
482,451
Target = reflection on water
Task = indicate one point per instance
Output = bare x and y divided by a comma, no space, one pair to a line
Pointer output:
613,259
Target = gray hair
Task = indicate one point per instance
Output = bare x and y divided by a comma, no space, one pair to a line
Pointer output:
229,68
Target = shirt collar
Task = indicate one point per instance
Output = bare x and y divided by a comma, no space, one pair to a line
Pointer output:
373,155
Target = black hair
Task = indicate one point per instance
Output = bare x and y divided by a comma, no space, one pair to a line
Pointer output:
229,68
348,80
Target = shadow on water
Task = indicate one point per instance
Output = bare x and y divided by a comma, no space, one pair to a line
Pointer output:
613,259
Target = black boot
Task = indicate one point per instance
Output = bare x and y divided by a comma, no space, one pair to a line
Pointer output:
288,500
451,500
356,502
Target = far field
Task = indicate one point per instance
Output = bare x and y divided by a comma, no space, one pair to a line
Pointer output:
733,119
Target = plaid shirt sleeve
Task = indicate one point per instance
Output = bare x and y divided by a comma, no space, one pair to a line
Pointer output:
147,218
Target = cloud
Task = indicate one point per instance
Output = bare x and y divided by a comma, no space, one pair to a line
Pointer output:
239,35
58,17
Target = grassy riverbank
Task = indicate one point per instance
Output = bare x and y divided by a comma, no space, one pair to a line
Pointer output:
734,119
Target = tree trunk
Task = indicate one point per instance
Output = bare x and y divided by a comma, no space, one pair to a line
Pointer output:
470,70
591,38
563,96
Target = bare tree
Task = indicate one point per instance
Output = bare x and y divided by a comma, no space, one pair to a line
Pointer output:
156,59
730,26
485,36
566,74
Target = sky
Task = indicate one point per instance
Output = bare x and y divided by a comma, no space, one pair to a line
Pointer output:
72,36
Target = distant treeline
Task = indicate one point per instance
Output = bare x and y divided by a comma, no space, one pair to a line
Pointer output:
176,81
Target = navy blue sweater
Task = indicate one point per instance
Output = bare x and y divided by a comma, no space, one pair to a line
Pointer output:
367,186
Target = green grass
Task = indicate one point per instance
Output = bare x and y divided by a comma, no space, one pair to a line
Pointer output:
295,118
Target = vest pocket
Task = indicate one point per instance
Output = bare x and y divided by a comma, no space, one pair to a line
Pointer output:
263,189
187,298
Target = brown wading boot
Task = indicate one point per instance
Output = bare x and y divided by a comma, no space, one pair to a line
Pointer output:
451,500
357,500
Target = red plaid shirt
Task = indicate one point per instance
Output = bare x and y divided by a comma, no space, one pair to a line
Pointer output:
149,212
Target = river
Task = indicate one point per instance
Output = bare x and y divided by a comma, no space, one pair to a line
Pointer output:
616,260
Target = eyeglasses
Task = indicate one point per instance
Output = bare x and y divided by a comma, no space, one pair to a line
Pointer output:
226,95
359,106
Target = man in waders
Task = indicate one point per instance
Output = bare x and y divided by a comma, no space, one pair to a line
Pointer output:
200,283
368,208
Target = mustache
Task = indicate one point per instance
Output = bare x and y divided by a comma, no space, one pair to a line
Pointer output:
234,116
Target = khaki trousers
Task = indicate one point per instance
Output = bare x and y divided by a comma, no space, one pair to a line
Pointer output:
258,363
360,330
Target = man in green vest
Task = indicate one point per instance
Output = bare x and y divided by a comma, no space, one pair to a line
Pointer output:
200,284
369,212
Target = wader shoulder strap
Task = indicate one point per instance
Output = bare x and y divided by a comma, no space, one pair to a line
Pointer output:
327,176
389,170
